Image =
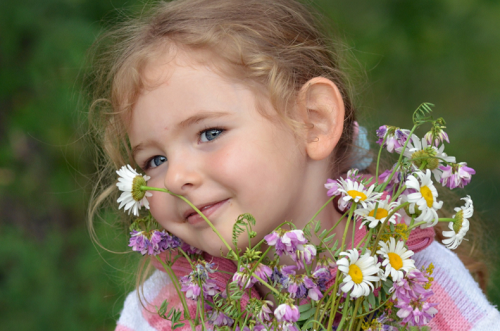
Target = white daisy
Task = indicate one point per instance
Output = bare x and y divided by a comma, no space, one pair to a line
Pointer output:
460,227
420,150
397,259
355,192
359,273
423,203
384,208
130,182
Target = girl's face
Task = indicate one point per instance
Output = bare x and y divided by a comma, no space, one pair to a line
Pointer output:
201,135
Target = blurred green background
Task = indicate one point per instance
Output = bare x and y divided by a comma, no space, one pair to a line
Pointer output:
51,276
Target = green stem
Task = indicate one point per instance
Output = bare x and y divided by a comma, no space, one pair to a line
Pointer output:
175,281
367,235
378,158
399,160
263,282
398,193
423,222
336,224
344,313
353,206
358,301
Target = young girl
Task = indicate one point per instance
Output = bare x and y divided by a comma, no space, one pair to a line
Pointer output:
240,106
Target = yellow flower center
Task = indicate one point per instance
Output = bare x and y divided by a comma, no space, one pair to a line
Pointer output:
355,194
355,273
395,261
137,193
457,225
381,213
427,194
427,156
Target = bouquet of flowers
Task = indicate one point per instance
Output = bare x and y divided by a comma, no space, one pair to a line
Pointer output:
374,285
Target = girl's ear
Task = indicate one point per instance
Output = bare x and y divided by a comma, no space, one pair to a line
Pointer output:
321,108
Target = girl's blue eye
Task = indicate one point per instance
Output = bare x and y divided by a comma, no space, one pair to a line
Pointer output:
210,134
156,161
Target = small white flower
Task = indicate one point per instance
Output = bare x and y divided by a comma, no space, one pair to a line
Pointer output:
397,259
424,199
355,192
359,273
132,198
384,208
460,227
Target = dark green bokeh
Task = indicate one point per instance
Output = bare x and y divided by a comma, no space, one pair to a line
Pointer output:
51,276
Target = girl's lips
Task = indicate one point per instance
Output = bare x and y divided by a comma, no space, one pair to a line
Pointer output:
207,211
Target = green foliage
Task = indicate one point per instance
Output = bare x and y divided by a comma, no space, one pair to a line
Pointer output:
243,224
422,113
173,315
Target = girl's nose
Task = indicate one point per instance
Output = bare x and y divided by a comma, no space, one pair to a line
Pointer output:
181,176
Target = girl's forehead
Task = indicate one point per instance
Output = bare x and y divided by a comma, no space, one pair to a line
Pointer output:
161,66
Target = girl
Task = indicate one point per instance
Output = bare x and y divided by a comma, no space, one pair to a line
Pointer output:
240,106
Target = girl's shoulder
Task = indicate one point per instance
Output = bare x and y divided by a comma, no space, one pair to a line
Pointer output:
142,316
461,302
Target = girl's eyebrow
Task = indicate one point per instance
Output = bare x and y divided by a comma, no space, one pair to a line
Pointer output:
200,117
189,121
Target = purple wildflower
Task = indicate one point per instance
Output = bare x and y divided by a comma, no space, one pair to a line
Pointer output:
281,273
456,175
296,287
416,312
437,136
411,286
314,291
304,253
218,318
333,187
210,288
395,180
139,242
412,299
199,276
152,243
242,277
192,289
322,276
287,327
265,311
286,242
396,137
288,313
191,250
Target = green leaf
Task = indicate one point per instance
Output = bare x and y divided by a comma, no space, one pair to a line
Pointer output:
307,314
176,326
317,227
240,226
163,309
305,307
387,285
421,113
329,238
365,305
371,300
